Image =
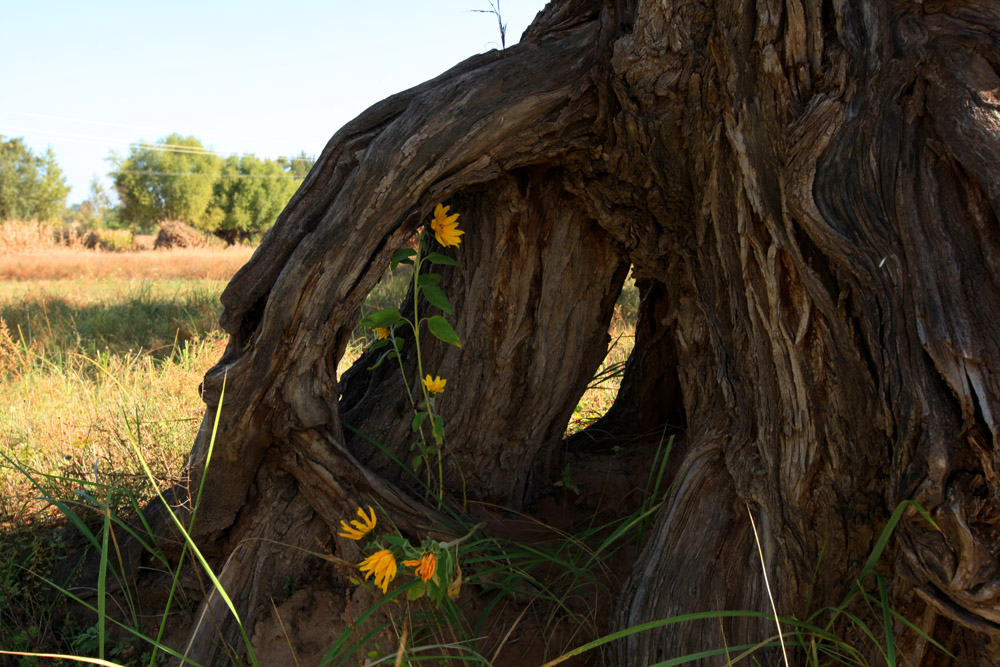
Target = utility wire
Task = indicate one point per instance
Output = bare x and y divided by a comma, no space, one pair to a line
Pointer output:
189,173
163,148
123,125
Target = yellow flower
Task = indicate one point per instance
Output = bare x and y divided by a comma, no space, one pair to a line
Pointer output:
434,385
381,332
358,529
425,566
383,565
445,226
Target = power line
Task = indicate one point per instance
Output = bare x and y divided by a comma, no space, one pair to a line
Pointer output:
163,148
188,173
129,127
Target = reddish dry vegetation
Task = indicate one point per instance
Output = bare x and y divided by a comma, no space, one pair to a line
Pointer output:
72,263
31,250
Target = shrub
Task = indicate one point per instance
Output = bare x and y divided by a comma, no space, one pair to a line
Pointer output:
22,235
114,240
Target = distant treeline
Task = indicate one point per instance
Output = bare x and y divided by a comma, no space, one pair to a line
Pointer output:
176,178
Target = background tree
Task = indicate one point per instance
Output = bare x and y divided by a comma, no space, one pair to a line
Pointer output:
249,194
97,209
808,194
172,179
297,166
32,187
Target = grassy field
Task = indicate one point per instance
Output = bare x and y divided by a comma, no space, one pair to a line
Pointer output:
89,366
77,264
85,367
101,356
90,362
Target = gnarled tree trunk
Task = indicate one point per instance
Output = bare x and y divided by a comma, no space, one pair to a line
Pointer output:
808,192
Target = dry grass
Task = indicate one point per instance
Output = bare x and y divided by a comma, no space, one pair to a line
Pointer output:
603,389
39,251
78,420
26,236
89,369
76,264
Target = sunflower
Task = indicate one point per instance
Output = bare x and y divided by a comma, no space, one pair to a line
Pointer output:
383,565
358,529
445,226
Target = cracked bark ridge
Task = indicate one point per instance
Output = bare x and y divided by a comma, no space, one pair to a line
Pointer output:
808,192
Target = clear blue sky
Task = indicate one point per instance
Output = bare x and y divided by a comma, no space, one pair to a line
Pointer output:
269,78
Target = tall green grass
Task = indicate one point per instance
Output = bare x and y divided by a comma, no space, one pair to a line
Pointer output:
86,370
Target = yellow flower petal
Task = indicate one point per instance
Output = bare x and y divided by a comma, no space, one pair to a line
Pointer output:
425,566
446,226
383,565
434,385
358,529
381,332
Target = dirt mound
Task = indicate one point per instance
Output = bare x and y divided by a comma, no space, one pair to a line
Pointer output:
176,234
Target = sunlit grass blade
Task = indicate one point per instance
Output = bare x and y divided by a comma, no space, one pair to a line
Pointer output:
767,585
101,584
194,510
189,542
60,656
652,625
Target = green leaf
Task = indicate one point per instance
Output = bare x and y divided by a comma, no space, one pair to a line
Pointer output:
567,480
399,344
438,428
396,540
428,279
383,318
379,344
443,330
418,420
438,258
436,297
416,591
402,254
416,463
388,354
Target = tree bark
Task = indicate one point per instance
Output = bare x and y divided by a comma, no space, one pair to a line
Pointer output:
808,193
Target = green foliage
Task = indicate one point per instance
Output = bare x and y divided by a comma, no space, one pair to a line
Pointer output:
178,179
96,211
384,323
248,196
32,187
298,167
114,240
172,179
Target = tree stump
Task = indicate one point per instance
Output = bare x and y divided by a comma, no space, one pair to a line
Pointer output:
808,193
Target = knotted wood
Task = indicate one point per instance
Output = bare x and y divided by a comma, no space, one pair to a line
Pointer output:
808,193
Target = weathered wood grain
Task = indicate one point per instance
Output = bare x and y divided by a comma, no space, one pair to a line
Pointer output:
809,193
